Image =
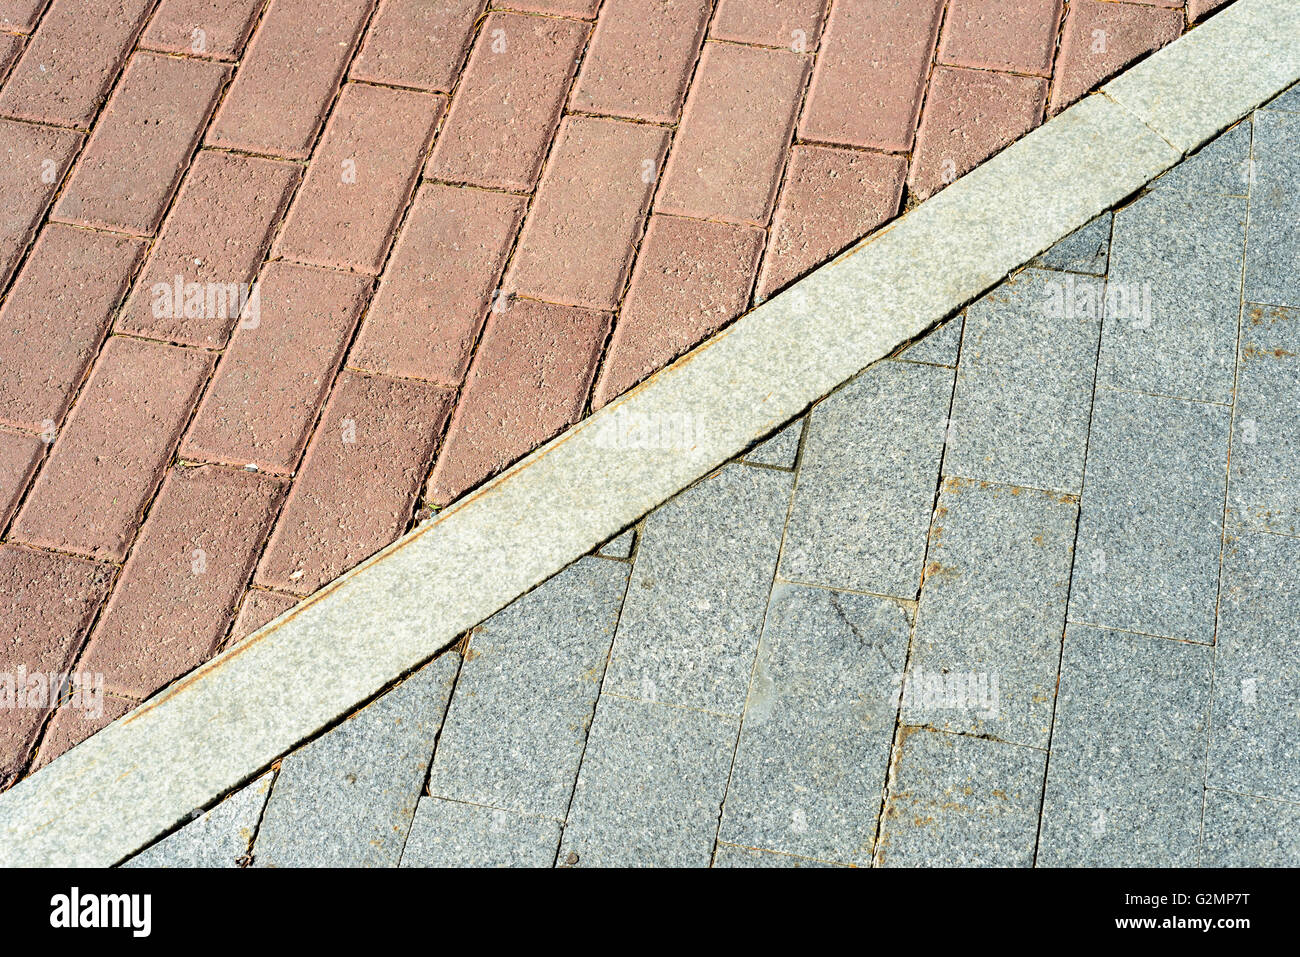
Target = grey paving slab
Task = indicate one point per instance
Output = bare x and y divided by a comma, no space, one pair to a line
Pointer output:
940,347
1288,101
780,450
867,481
1246,831
1221,167
651,786
621,546
1173,297
347,798
1024,386
1126,775
1150,522
729,855
221,837
1255,733
1086,250
819,721
957,801
992,612
694,609
518,721
1264,474
451,834
1273,240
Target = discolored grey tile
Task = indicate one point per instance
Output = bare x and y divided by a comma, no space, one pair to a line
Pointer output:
1273,241
1126,776
1246,831
518,722
957,801
939,347
347,798
814,745
1221,167
1086,250
1024,386
694,608
992,610
728,855
780,450
1255,734
451,834
1150,523
221,837
882,432
651,786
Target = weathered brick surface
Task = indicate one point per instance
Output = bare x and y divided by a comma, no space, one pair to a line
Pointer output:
55,317
288,76
416,43
70,726
439,283
275,375
47,602
1100,39
10,46
72,60
1198,10
134,160
505,112
209,28
727,157
870,76
1015,35
107,461
19,454
215,237
830,198
259,608
691,278
20,15
361,178
33,162
641,58
563,8
339,513
577,242
178,590
530,379
794,24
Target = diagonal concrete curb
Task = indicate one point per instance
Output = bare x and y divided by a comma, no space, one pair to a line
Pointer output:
226,722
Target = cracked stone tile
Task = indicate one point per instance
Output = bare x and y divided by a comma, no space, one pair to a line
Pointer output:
219,838
1086,250
619,546
1273,240
781,449
1242,830
452,834
940,347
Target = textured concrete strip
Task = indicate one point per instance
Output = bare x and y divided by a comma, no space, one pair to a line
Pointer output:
451,834
1245,831
347,798
958,801
219,838
830,661
1124,784
1215,75
517,726
118,791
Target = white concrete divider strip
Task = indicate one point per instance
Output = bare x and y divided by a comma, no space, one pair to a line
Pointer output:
222,725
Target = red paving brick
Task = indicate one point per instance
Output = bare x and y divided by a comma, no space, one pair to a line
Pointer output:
72,60
33,161
870,76
436,291
564,8
361,178
288,76
47,602
504,114
180,587
214,239
70,726
130,168
338,514
19,454
55,318
1198,10
577,243
1014,35
727,158
970,115
418,44
831,197
691,278
793,24
108,459
529,380
10,46
276,372
641,58
259,608
211,28
20,15
1100,39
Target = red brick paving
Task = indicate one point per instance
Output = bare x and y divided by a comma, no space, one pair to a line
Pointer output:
609,190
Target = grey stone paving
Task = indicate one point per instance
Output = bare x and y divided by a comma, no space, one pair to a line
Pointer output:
221,837
1025,595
